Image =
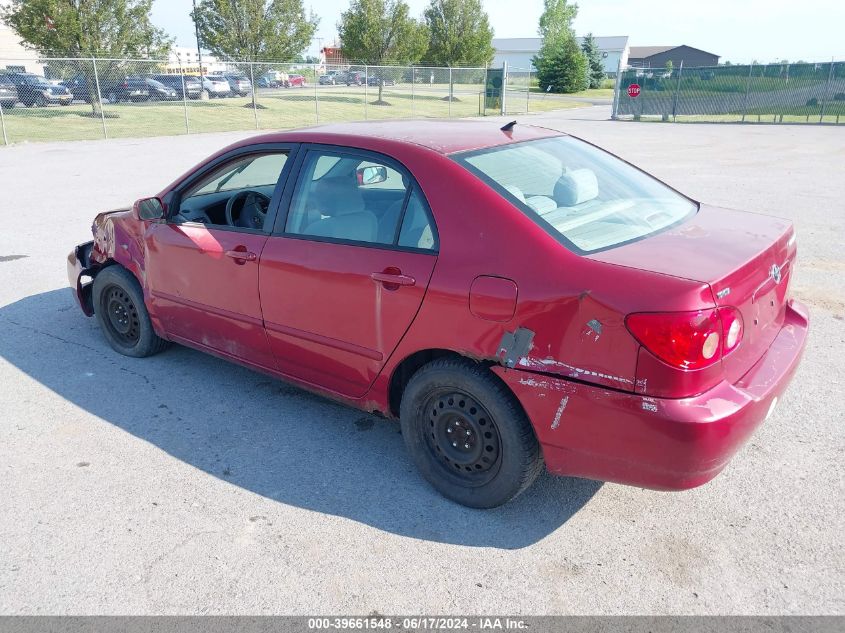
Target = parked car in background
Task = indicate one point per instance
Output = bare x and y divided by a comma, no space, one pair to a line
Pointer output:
216,86
373,80
239,85
351,78
296,81
600,324
192,85
159,92
113,90
8,92
329,79
273,79
35,90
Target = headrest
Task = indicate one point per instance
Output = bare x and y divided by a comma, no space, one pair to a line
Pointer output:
337,195
576,186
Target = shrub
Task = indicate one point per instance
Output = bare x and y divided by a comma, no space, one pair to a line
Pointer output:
839,96
812,103
562,66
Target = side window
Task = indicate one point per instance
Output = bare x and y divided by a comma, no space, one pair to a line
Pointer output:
237,194
417,226
346,197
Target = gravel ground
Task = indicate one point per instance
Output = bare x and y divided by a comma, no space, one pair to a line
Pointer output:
183,484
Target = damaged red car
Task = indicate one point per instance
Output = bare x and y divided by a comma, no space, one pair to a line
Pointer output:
516,297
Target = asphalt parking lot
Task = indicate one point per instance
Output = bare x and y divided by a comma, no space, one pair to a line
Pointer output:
184,484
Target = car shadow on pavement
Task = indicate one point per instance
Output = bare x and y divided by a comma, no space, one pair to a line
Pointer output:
263,435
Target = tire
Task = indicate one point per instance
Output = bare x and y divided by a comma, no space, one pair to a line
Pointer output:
119,307
453,398
112,98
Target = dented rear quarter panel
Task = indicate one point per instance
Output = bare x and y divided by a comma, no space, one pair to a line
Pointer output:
575,306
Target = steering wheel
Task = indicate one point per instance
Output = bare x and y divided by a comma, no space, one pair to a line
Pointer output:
253,211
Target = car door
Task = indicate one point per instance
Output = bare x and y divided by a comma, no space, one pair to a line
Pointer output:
341,278
203,272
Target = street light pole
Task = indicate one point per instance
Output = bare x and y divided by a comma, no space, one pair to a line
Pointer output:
197,31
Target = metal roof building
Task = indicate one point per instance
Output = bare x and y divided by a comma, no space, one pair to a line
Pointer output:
519,51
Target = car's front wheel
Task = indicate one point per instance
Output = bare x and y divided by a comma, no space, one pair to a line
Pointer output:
467,433
122,315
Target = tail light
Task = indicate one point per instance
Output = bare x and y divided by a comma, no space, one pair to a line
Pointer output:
688,340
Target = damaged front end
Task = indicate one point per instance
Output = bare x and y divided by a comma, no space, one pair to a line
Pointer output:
81,271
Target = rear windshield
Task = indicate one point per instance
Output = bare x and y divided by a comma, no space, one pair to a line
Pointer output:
585,197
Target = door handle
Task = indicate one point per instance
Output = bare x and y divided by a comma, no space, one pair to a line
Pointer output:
394,279
243,255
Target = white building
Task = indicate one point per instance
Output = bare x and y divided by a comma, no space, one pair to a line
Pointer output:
189,59
13,55
519,51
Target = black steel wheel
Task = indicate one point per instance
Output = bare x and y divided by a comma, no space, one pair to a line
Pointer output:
121,315
467,433
119,307
463,436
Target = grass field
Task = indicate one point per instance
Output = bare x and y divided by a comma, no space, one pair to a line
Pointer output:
277,109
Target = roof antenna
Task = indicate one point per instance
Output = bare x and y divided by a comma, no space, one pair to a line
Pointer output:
508,127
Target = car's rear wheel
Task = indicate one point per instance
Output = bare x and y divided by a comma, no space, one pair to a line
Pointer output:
467,433
119,307
112,98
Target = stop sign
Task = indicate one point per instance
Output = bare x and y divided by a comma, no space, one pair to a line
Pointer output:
634,90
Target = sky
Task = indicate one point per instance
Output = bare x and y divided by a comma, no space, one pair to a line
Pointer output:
738,30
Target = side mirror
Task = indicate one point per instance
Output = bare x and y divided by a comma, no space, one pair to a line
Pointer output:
372,175
149,209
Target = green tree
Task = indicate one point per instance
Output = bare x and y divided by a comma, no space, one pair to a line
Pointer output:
380,31
255,30
101,28
556,21
563,68
560,63
595,72
459,33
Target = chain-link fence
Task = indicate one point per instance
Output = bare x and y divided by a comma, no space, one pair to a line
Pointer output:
770,93
72,99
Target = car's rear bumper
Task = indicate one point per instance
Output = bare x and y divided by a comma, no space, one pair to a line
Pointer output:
79,266
588,431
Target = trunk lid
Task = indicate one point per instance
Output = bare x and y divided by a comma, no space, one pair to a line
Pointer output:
747,259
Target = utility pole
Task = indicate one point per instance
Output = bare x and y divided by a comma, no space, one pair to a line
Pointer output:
197,31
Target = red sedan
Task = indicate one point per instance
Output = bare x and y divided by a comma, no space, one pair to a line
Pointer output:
515,296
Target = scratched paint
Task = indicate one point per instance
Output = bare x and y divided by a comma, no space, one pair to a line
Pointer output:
547,364
649,404
563,402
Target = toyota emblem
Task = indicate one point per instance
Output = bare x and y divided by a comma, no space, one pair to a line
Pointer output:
775,273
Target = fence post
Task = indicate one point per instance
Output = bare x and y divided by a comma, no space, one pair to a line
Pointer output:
484,97
450,92
99,97
677,90
252,82
316,96
184,94
747,88
504,109
3,125
366,83
826,90
614,109
528,92
413,81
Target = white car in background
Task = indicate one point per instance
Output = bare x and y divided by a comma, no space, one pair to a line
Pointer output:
216,86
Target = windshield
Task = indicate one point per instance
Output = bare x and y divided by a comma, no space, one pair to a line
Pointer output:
585,197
